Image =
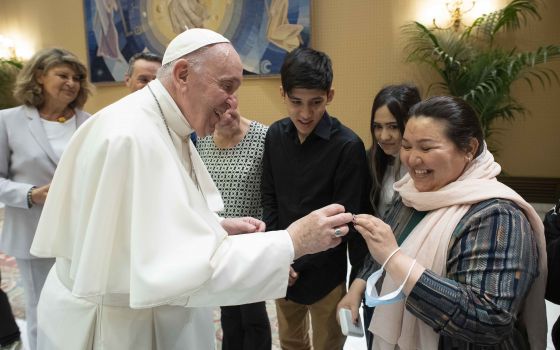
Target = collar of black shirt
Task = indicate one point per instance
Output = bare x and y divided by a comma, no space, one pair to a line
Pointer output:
322,130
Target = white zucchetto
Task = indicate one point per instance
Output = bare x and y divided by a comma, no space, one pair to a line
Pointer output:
189,41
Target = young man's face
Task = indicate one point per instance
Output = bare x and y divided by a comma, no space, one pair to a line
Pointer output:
306,107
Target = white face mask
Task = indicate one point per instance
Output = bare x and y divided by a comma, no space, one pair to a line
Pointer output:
372,297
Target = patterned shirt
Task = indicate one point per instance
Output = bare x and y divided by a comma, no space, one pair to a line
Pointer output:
237,171
491,264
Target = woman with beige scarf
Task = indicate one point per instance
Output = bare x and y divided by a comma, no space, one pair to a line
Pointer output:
467,251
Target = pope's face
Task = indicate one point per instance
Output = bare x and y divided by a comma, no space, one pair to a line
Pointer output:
211,88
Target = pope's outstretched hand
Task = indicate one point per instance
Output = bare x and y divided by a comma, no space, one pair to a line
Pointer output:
320,230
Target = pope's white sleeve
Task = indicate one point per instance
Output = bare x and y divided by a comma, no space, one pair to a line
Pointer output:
247,268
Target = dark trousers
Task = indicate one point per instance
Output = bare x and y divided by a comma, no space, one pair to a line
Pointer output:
9,331
246,327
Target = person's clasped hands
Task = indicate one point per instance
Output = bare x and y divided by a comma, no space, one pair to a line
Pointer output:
232,105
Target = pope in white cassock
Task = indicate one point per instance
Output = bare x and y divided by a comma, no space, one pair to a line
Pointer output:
140,254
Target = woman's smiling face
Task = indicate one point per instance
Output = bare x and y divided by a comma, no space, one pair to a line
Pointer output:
386,131
432,158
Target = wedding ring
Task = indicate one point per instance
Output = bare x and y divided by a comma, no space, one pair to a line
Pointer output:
337,232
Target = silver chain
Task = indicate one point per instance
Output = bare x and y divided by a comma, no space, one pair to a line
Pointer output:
185,140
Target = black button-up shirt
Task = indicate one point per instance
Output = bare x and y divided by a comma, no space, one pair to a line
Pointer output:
330,166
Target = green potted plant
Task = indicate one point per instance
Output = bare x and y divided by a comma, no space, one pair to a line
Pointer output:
9,69
473,65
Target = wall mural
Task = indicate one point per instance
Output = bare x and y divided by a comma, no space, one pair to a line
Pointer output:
262,31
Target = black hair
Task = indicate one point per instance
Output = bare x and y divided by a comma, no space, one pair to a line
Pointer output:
146,56
461,121
307,69
398,99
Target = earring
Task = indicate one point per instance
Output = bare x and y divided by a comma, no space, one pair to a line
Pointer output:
469,158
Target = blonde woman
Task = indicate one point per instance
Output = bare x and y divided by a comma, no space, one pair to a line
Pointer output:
52,88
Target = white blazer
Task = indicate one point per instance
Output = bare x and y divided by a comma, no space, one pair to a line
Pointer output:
26,159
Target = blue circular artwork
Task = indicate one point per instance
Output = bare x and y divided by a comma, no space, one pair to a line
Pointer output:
262,31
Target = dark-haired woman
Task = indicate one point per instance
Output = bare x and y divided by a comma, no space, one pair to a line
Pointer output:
52,88
388,118
463,255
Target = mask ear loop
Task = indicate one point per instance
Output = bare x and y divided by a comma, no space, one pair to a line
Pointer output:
400,288
389,257
409,269
389,298
408,273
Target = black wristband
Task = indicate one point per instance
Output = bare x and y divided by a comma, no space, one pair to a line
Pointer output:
30,198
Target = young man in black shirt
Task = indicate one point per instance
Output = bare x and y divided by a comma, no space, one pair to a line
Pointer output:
311,160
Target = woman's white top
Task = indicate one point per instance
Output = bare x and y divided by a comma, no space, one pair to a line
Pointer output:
59,134
387,194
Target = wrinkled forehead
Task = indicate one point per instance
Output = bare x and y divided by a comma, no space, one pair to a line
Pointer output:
223,62
224,54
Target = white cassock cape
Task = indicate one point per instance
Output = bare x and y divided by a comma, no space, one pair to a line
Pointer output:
139,251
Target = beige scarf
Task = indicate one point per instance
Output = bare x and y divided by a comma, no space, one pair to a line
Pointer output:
396,328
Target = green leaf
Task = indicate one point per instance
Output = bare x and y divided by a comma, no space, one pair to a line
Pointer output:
9,69
473,65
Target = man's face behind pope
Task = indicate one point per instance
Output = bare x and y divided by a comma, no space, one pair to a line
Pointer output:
209,87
